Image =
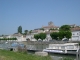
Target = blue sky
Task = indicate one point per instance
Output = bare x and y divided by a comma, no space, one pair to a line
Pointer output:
31,14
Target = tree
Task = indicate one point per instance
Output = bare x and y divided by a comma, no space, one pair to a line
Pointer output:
42,36
68,34
64,28
25,32
54,35
65,31
20,29
42,29
36,36
30,31
61,34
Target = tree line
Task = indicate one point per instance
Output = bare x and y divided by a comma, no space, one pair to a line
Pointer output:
8,38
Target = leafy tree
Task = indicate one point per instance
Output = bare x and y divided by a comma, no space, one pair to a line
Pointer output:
64,28
42,29
54,35
20,29
36,36
30,31
61,34
42,36
68,34
65,31
25,32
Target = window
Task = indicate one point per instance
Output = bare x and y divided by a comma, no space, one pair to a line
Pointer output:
70,47
62,47
77,33
73,34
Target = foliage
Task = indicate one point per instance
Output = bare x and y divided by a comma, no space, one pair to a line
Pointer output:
66,34
36,36
65,31
42,36
30,31
54,35
25,32
20,29
64,28
9,55
61,34
8,38
42,29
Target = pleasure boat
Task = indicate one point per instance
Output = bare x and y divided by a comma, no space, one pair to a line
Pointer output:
70,48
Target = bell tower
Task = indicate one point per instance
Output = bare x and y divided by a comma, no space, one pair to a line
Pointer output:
50,23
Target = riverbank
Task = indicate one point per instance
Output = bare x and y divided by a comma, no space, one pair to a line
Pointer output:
10,55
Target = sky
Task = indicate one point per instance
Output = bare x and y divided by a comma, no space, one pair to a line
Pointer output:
32,14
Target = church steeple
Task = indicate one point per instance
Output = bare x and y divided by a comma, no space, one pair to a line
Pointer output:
50,23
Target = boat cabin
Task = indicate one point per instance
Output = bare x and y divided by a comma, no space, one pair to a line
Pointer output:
63,48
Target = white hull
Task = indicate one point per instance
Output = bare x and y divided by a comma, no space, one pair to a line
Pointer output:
53,51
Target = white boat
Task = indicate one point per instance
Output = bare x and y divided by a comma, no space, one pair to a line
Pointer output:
70,48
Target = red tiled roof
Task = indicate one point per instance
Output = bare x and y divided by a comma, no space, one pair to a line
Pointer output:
75,29
50,27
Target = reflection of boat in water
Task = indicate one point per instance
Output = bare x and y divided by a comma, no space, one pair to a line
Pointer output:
67,48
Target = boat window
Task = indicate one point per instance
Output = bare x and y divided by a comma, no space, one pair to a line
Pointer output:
73,34
76,45
56,47
62,47
70,47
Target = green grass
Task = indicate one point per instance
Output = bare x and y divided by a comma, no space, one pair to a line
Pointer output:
10,55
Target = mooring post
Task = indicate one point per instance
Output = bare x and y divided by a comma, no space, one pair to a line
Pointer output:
79,54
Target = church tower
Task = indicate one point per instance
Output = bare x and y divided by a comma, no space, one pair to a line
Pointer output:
50,23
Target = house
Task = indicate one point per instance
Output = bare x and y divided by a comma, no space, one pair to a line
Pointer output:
73,25
44,29
31,37
51,27
19,37
75,34
1,36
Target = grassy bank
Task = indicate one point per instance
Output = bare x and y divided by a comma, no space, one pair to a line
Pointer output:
9,55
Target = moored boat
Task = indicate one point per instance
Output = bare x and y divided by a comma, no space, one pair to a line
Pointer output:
67,48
